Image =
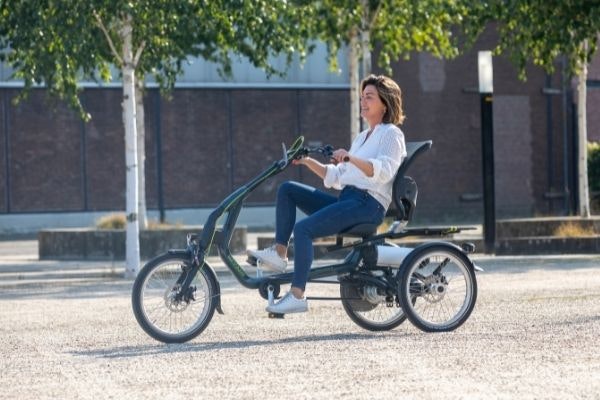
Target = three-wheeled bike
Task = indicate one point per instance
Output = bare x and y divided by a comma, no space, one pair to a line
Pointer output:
175,295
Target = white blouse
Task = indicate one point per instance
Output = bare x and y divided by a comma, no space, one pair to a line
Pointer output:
385,150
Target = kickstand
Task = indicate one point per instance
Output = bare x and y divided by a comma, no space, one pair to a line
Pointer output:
259,271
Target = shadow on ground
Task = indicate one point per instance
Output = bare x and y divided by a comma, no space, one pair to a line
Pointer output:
145,350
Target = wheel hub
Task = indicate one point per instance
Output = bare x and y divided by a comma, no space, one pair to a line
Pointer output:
171,302
371,295
436,288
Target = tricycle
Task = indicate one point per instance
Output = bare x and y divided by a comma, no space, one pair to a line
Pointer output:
381,284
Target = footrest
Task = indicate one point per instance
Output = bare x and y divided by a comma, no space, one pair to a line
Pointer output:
276,315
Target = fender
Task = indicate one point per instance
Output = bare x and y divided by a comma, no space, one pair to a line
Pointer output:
409,258
211,273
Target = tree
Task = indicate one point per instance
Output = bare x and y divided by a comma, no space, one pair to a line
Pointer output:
395,27
59,42
541,31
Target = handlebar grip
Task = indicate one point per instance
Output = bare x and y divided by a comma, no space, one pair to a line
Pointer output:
346,159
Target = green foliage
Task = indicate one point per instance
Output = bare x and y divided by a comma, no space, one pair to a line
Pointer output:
540,30
59,42
49,42
396,27
593,159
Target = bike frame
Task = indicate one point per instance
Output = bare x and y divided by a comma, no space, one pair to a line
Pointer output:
198,247
232,205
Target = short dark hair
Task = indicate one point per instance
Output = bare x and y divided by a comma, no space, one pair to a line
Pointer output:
390,94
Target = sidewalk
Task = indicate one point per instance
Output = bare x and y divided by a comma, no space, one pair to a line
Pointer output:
20,266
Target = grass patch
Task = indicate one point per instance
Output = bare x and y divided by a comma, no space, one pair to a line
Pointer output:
571,229
112,221
118,221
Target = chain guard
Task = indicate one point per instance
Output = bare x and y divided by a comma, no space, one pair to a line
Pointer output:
354,298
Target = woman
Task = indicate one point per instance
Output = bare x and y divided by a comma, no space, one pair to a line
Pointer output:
364,174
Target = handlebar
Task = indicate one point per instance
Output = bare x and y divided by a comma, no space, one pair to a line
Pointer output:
291,153
326,151
296,151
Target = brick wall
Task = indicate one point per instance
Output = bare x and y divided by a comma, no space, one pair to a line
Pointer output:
215,139
442,103
593,101
3,153
45,155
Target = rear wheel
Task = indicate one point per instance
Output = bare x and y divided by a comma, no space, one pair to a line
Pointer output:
371,307
162,310
437,288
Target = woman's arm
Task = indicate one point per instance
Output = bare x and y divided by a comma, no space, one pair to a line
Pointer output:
365,166
383,167
319,169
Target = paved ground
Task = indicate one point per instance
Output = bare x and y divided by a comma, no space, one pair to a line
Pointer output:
67,333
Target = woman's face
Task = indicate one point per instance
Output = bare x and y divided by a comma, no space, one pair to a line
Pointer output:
371,107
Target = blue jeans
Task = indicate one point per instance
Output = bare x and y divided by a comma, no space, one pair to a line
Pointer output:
326,215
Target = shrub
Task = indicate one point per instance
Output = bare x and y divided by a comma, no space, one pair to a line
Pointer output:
112,221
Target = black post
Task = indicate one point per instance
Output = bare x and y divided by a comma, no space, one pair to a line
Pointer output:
83,150
487,146
159,166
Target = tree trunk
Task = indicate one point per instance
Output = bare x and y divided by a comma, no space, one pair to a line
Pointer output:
141,152
584,199
132,243
354,89
365,39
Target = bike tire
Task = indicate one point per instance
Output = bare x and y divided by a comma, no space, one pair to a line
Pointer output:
428,300
154,307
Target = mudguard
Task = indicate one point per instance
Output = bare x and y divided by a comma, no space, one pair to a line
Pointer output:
425,246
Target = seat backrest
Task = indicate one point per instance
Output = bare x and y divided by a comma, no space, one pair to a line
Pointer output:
404,191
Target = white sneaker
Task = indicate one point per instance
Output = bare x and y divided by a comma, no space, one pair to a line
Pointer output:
269,259
289,304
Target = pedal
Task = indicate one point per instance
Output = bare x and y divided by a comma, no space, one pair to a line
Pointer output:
271,301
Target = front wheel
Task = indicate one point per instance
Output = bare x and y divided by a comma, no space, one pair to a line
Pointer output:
437,288
163,310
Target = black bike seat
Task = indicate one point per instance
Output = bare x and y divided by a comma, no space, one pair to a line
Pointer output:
360,230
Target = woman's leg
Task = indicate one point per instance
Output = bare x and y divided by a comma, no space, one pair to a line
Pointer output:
350,210
291,195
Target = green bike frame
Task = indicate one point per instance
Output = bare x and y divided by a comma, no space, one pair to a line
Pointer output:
198,247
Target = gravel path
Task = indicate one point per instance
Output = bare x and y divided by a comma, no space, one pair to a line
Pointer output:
533,334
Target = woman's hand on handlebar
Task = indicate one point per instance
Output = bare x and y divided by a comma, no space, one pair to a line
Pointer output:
300,161
340,155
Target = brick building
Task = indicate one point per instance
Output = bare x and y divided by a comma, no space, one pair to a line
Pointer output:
209,138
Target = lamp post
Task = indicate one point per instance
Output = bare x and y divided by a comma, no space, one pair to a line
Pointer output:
486,89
